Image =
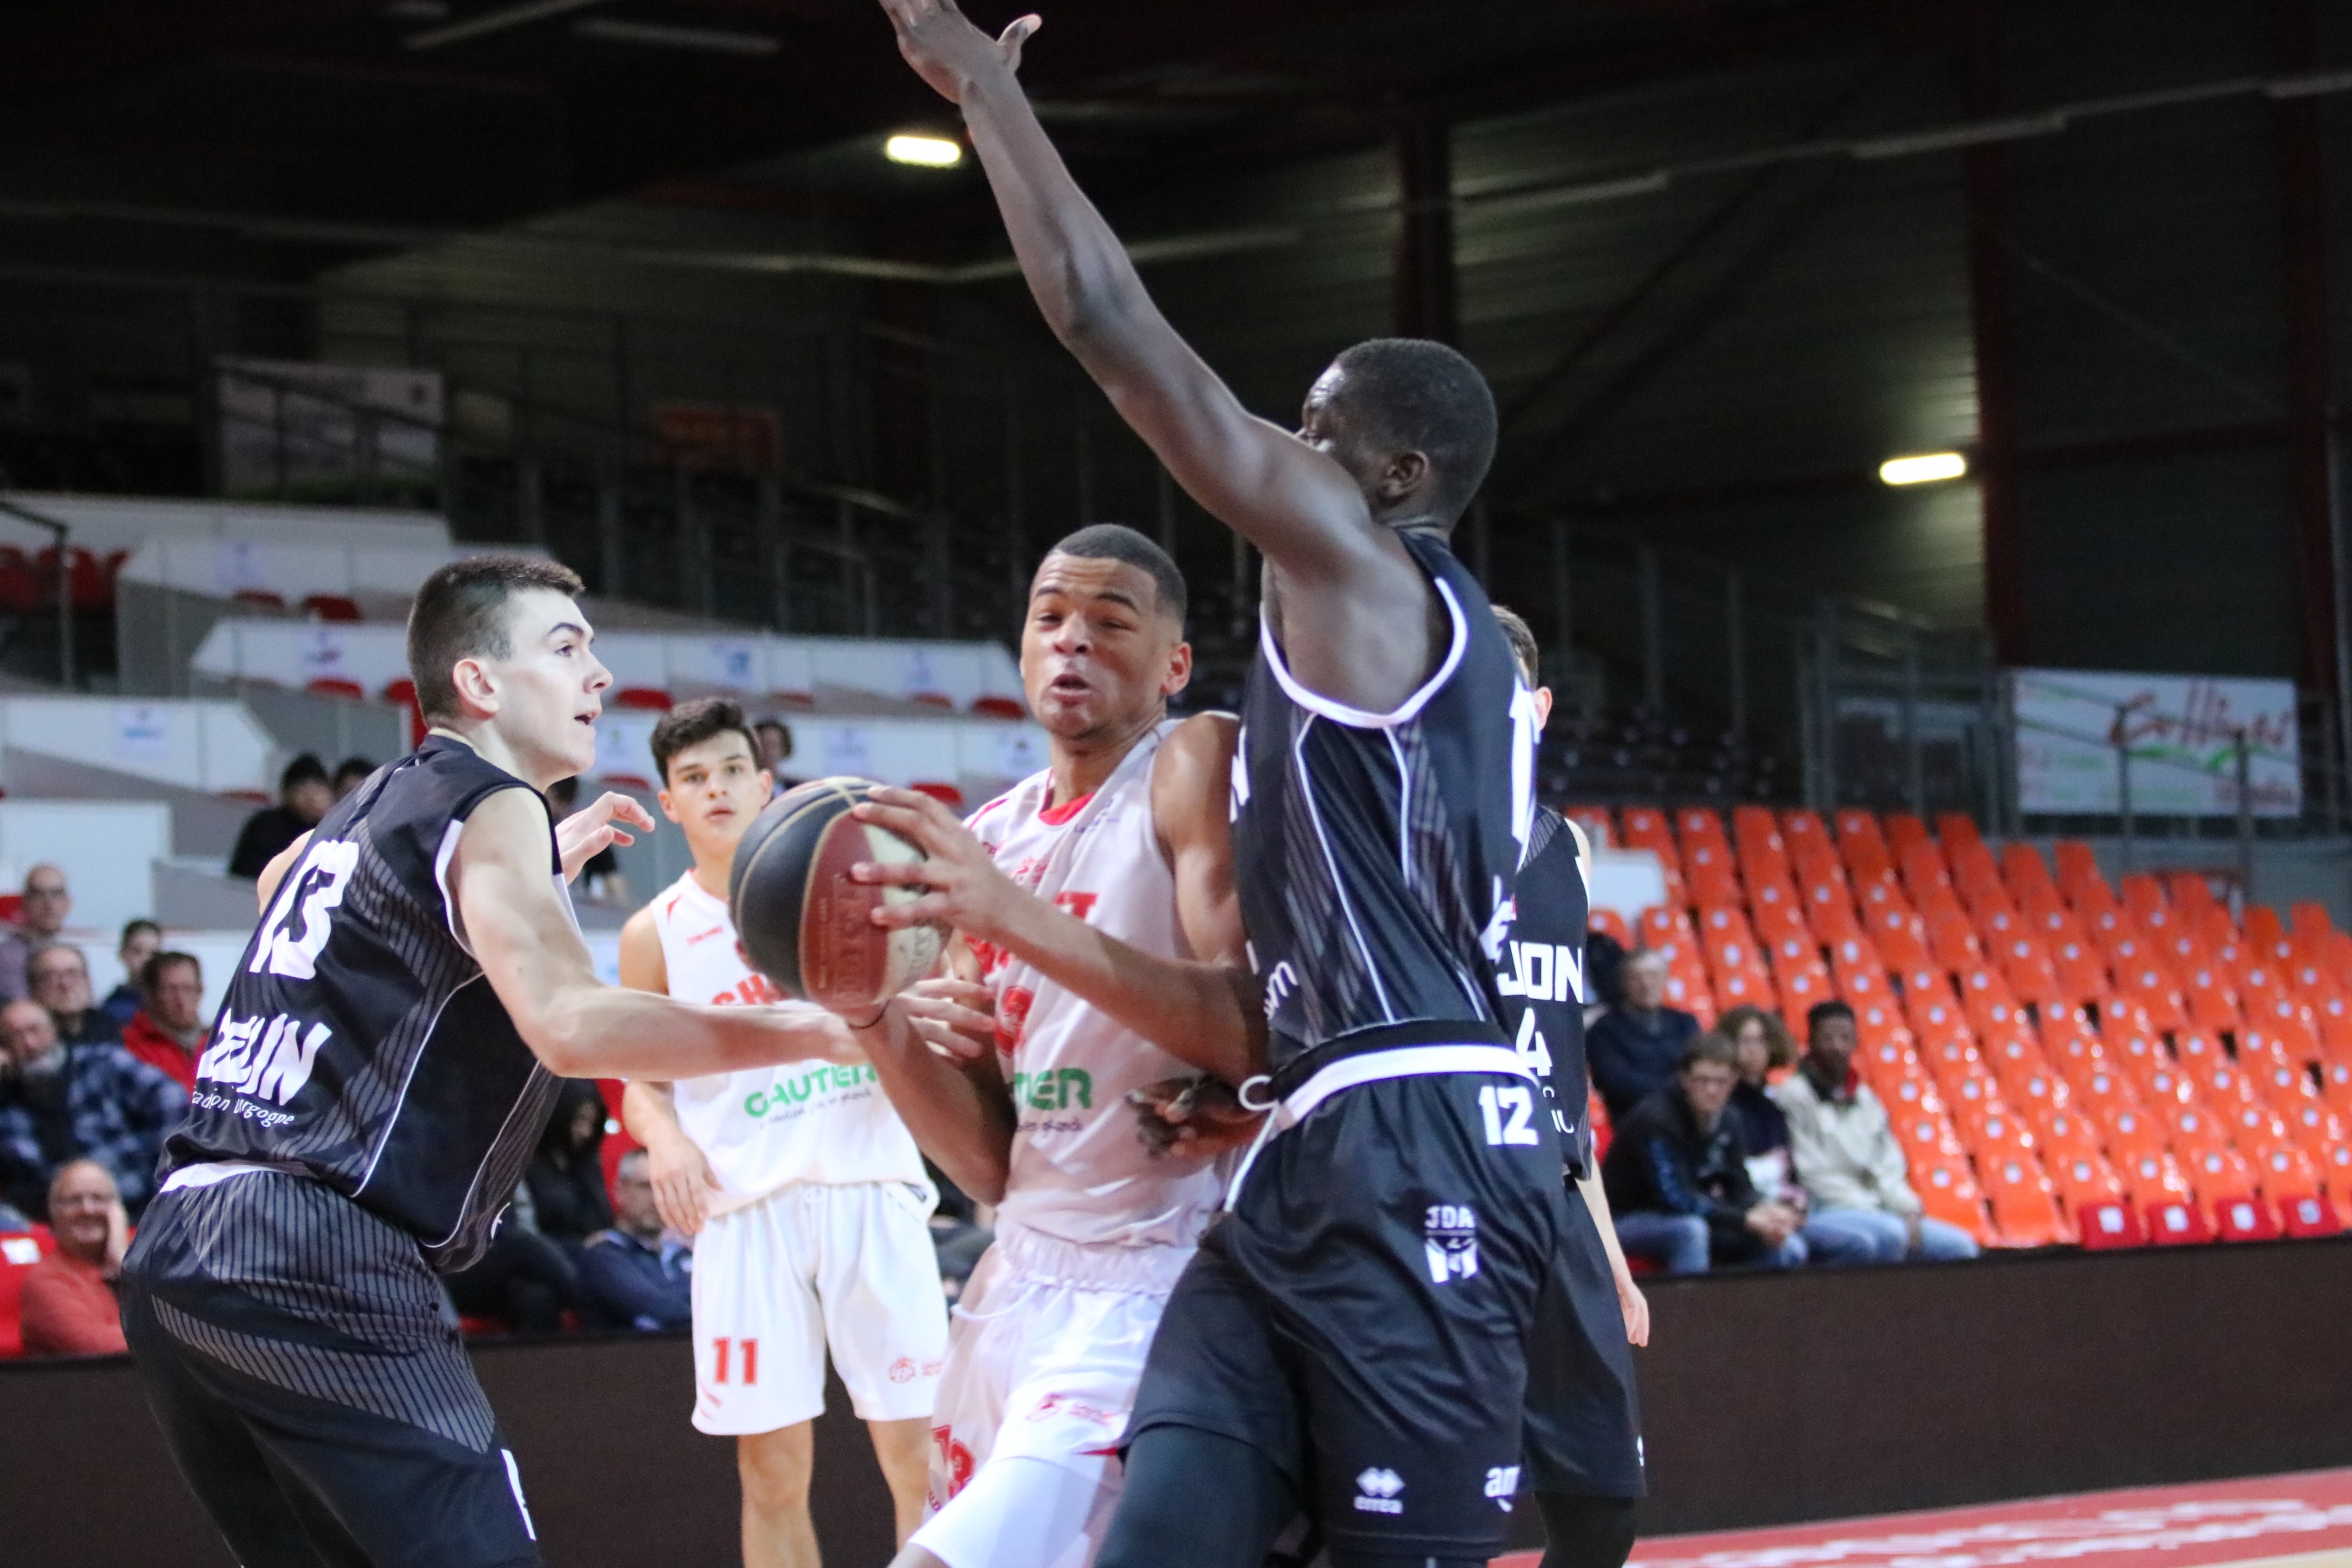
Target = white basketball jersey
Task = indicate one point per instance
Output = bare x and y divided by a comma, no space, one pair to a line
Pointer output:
764,1128
1078,1171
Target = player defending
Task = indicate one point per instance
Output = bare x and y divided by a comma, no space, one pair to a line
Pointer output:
1351,1336
1583,1452
379,1074
1098,899
808,1195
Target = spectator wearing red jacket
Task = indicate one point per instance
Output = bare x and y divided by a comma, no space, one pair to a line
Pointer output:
168,1030
66,1303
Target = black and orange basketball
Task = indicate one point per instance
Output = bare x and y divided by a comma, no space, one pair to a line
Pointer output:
804,922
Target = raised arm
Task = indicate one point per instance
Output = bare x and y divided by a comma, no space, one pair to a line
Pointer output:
1291,500
501,884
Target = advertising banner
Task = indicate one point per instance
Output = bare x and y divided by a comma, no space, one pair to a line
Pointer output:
2181,733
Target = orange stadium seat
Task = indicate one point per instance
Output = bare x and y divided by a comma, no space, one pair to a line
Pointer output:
2133,1133
1947,1191
2192,1133
2024,1202
2066,1132
1612,924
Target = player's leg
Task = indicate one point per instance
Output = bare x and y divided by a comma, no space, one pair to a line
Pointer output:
886,1319
903,1449
758,1369
774,1469
1583,1447
1586,1531
276,1321
1213,1460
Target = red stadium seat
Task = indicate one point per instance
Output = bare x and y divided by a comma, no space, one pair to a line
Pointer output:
649,699
2247,1219
2110,1224
947,794
2178,1223
2310,1214
331,686
1013,708
331,607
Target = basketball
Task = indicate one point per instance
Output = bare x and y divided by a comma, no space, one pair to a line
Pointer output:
804,922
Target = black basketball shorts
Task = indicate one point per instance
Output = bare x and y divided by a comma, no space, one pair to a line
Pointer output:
297,1354
1583,1415
1359,1315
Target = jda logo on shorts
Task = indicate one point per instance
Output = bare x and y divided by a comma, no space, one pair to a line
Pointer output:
1450,1238
1503,1485
1377,1490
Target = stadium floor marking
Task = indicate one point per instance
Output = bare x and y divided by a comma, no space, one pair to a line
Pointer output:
2217,1524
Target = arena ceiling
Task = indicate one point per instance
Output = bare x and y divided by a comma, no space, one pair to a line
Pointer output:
277,139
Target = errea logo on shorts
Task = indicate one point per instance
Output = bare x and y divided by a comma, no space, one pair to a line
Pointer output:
1503,1485
1377,1490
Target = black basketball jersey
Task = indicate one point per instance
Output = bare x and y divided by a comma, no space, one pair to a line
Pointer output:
359,1042
1375,852
1542,980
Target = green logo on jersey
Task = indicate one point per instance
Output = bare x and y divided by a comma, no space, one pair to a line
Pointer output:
1058,1088
820,1081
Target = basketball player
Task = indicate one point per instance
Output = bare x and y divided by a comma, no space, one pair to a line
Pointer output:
808,1196
380,1071
1583,1449
1097,901
1351,1336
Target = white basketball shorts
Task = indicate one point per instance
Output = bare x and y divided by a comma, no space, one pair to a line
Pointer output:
1046,1349
778,1280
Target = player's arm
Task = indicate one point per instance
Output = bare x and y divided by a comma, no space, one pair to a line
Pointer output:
1291,500
682,1178
1635,1305
265,885
934,1050
524,937
1202,1011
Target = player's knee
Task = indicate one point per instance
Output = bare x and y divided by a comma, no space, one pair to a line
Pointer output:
1586,1531
774,1468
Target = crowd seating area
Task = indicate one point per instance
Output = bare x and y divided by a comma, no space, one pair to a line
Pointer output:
1599,754
2064,1060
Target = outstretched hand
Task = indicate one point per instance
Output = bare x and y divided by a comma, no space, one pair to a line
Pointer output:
955,1019
596,827
1191,1118
965,890
946,51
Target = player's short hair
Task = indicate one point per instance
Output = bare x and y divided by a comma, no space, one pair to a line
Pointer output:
1522,638
1821,1013
693,721
1709,1046
1410,395
460,613
1116,541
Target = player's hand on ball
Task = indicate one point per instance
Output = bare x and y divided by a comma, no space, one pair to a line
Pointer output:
956,1018
1191,1118
947,50
683,1182
964,888
590,831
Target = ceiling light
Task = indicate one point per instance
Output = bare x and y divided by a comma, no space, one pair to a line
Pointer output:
924,151
1926,468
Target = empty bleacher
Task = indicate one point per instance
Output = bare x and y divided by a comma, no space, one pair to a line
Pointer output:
2064,1059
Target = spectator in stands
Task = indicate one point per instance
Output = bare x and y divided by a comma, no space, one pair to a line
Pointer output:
59,977
43,919
1676,1176
567,1175
140,938
775,739
524,1280
1764,1049
600,880
66,1304
168,1033
304,795
1636,1048
59,1102
1848,1157
638,1274
352,772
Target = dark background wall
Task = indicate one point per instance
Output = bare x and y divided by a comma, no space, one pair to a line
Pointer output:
1767,1400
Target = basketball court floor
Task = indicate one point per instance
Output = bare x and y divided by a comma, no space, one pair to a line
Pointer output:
2301,1520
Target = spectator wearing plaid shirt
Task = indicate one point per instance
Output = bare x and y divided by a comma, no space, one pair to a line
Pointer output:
61,1102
